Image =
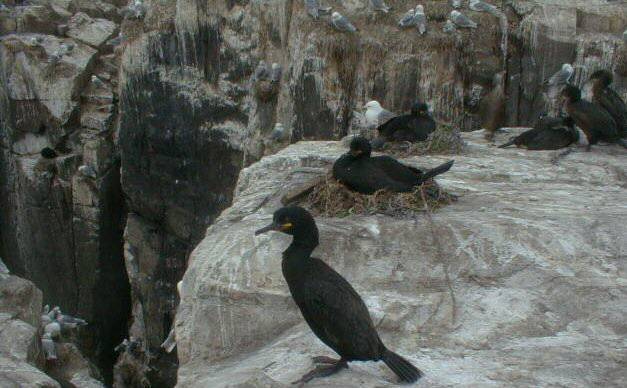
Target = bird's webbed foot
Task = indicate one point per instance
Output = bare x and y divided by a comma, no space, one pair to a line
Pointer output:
324,360
329,366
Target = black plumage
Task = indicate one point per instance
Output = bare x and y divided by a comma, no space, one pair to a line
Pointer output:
330,305
607,98
48,153
367,174
413,127
593,120
549,133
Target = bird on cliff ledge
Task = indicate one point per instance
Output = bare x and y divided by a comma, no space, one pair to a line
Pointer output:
330,305
549,133
611,101
593,120
412,127
341,23
365,174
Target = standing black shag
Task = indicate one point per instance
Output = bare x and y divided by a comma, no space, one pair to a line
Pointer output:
607,98
549,133
367,174
593,120
412,127
333,309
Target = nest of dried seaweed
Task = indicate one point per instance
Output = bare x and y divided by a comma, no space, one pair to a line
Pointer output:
330,198
444,140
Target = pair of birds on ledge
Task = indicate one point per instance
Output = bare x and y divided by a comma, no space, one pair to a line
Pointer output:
330,305
603,119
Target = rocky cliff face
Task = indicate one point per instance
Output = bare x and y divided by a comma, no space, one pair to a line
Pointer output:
153,110
521,282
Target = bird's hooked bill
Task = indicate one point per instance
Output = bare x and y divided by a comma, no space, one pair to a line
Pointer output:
272,226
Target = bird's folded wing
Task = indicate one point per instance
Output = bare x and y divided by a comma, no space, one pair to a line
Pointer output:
336,313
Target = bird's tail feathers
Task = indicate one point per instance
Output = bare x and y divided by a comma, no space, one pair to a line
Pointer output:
401,367
438,170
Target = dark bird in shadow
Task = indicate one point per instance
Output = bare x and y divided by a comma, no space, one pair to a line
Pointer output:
549,133
593,120
413,127
365,174
48,153
330,305
607,98
492,107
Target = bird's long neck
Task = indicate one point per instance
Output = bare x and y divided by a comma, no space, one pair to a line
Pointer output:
303,244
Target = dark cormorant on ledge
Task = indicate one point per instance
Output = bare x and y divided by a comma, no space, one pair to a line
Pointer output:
333,309
549,133
593,120
412,127
607,98
366,174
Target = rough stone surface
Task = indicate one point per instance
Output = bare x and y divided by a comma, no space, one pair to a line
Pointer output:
93,32
20,306
58,228
533,250
174,114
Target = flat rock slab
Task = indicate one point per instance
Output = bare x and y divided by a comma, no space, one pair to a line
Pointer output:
535,256
93,32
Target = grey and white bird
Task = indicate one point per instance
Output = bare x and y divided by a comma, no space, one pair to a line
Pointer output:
278,133
482,6
456,4
421,19
562,77
97,81
67,47
461,20
122,346
135,10
87,171
53,328
340,23
376,115
36,40
449,27
379,5
49,347
275,73
407,20
55,57
170,343
314,9
69,322
261,71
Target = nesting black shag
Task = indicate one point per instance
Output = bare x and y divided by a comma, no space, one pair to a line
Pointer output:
330,305
366,174
48,153
593,120
413,127
549,133
607,98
